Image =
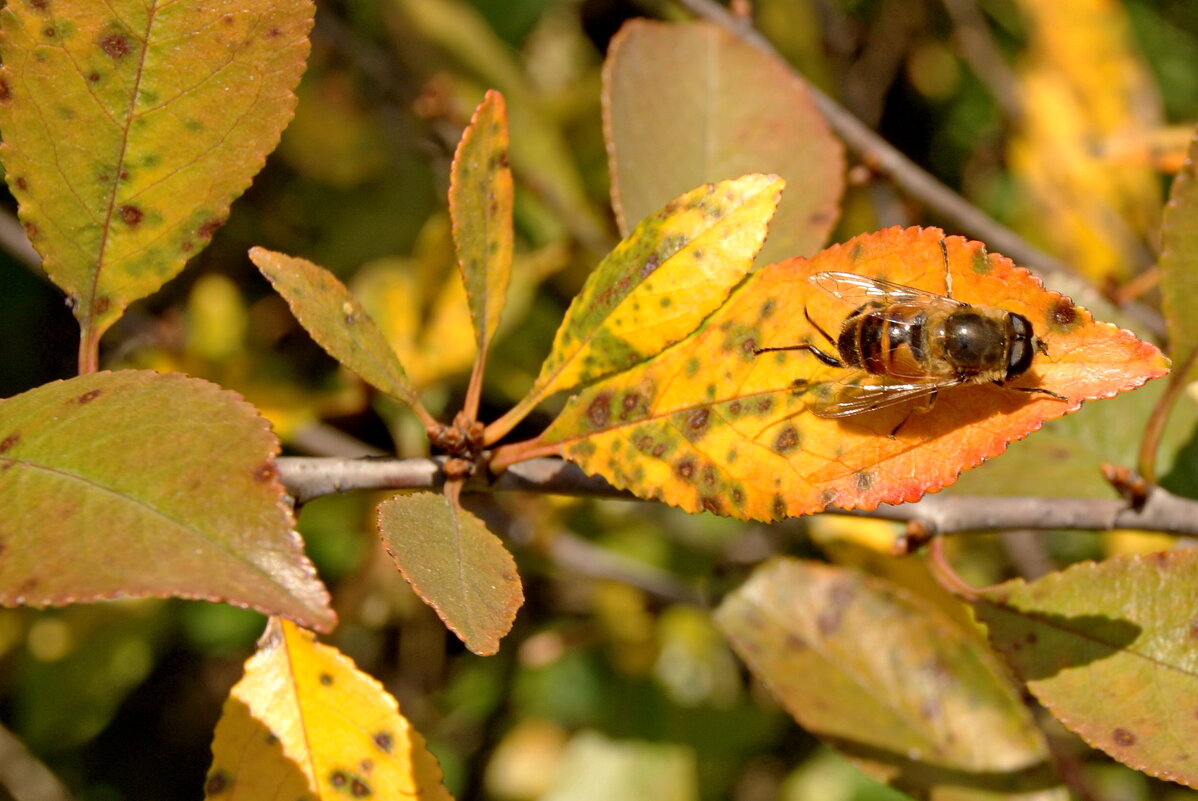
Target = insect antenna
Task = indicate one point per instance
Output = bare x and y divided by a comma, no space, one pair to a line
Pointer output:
827,359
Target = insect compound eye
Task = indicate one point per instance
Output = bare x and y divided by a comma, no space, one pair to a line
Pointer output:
1023,349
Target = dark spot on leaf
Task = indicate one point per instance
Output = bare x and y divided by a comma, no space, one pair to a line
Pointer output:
659,449
339,778
30,230
799,386
981,261
359,789
767,308
651,264
864,480
100,305
709,476
856,252
40,5
685,468
326,679
9,441
1063,314
384,740
630,401
786,440
266,472
644,443
713,505
49,32
209,228
89,396
738,497
764,405
366,765
130,215
186,247
227,19
274,33
116,45
1031,638
93,77
818,217
599,412
832,615
21,183
749,347
218,782
697,419
123,175
271,738
1123,737
5,91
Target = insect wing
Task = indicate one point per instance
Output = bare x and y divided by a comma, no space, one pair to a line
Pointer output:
858,290
849,397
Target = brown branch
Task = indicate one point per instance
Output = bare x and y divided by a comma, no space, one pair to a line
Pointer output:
308,478
884,159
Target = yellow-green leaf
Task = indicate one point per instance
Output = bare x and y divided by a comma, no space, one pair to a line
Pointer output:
133,484
455,564
336,320
890,680
673,270
687,103
1179,258
305,722
480,205
130,126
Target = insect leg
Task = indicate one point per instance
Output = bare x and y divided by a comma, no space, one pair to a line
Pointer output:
921,408
1039,391
827,359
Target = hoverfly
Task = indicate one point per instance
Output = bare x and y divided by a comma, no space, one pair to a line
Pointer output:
915,343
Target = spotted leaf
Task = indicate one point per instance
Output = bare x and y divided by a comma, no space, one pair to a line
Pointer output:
305,722
1126,625
130,126
889,679
135,484
711,424
658,284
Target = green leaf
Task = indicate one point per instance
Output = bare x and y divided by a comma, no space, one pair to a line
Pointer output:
336,320
129,127
1108,648
890,680
455,564
674,269
480,205
134,484
688,103
594,768
1179,258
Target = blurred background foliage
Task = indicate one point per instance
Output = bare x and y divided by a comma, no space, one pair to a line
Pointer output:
1062,119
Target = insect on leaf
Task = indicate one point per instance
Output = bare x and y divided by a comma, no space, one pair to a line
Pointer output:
135,484
336,320
658,284
455,564
1125,625
305,722
890,680
480,204
129,128
685,103
711,424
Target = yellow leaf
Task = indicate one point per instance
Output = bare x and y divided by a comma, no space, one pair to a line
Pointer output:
304,722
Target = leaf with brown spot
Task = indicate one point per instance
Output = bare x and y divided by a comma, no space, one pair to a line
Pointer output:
455,564
305,722
658,284
135,484
685,103
336,320
1128,626
139,126
890,680
480,205
771,456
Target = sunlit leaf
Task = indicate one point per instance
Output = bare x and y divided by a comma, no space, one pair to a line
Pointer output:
690,103
455,564
659,283
133,484
480,204
595,768
1179,258
709,425
129,128
1109,649
890,680
304,722
331,315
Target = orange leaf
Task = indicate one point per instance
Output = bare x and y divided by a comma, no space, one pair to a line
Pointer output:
707,424
304,722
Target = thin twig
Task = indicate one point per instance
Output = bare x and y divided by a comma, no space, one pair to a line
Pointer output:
308,478
884,159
